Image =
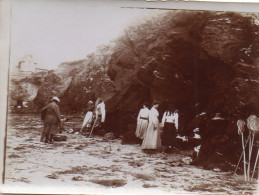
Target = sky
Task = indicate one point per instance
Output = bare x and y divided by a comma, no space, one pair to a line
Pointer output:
58,31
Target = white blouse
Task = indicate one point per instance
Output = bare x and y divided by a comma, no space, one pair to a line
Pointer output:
143,113
170,118
153,116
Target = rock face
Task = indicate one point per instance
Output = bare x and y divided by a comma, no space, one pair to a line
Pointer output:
199,61
25,90
193,58
202,62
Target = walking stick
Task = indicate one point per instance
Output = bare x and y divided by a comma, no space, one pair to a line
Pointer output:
93,126
241,156
255,163
81,129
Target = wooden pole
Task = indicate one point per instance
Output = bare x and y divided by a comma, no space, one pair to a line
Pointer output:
250,154
93,126
244,155
255,163
241,156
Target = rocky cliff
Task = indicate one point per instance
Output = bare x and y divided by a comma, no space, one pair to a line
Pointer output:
202,62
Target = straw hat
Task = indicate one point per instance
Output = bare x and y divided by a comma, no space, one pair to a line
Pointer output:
56,98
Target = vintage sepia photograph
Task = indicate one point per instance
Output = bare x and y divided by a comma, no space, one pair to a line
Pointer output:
131,97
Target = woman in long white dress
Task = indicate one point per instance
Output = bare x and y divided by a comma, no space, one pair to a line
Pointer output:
152,137
142,121
88,117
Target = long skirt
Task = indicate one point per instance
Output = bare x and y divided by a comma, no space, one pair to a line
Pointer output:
88,119
169,134
152,138
141,128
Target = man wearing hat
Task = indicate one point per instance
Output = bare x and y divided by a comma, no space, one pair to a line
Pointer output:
51,117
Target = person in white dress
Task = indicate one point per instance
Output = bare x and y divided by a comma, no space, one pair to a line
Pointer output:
99,114
142,121
88,117
152,137
95,116
100,111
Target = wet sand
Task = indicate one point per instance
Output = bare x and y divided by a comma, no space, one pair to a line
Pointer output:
105,164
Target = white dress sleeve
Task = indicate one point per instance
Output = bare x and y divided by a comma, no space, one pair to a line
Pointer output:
103,111
139,116
163,119
176,116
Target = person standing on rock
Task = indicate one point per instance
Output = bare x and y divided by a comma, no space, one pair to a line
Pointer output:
170,127
51,120
152,137
142,121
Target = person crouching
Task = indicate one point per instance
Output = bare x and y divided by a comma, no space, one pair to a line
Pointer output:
52,119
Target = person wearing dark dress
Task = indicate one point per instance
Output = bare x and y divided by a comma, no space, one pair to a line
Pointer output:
170,127
215,134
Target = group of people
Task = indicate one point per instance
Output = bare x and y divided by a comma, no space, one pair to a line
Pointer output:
95,116
153,133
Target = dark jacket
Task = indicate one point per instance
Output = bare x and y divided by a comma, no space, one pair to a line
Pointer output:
51,113
216,127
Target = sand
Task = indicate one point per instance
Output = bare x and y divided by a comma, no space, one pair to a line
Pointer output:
95,165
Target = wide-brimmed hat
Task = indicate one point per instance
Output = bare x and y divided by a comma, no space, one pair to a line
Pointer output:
56,98
217,115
